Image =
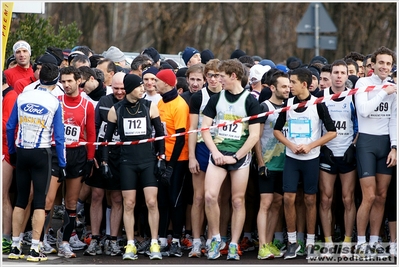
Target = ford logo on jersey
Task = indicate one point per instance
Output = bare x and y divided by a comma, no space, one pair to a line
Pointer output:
34,109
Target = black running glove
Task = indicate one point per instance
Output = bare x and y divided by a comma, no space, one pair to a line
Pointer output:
160,168
165,177
106,171
61,175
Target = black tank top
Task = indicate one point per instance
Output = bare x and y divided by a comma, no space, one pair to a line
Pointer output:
134,123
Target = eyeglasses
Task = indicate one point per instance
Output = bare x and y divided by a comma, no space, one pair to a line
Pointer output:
210,75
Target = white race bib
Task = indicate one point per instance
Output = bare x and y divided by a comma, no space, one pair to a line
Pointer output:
135,126
231,131
72,133
382,111
103,129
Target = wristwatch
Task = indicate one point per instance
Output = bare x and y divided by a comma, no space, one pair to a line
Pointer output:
235,157
393,147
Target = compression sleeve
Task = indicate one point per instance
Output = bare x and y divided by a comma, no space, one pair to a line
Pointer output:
10,129
160,144
59,136
108,137
178,147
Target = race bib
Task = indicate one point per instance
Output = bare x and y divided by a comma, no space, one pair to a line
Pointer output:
299,128
72,133
382,111
231,131
103,129
134,126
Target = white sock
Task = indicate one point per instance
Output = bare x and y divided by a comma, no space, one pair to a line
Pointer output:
15,242
292,237
35,244
361,239
310,239
154,241
130,242
373,239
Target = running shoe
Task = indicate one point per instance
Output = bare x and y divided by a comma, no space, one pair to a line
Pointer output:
233,252
273,249
175,249
214,250
195,251
292,251
36,256
75,242
265,253
93,249
16,254
130,252
155,252
187,242
6,248
65,250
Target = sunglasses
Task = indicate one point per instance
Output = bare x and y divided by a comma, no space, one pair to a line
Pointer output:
82,85
210,75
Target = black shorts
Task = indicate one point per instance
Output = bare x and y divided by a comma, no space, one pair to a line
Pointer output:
271,183
340,165
76,159
242,163
131,174
294,169
97,180
373,151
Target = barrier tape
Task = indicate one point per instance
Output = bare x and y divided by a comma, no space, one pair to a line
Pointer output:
295,106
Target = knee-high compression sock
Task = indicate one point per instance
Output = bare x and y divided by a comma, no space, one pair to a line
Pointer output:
69,224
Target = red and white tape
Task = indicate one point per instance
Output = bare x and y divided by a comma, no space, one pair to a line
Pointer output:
299,105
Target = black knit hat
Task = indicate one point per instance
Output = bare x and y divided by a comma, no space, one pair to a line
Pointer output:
206,55
131,82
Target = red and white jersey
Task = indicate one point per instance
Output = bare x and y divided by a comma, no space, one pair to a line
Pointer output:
79,122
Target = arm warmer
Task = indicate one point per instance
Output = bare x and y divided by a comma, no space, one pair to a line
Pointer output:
178,147
108,137
160,144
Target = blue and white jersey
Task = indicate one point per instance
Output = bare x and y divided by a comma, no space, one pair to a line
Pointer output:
37,114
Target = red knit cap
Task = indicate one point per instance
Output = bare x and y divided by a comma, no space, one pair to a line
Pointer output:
167,76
